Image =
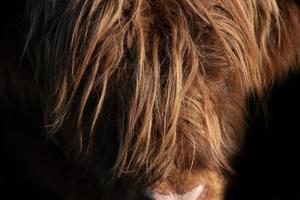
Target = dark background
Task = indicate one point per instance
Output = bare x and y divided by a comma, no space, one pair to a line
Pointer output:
269,167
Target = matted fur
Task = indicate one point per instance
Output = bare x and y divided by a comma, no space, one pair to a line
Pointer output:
162,83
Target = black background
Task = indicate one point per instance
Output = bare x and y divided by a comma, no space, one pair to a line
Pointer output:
269,166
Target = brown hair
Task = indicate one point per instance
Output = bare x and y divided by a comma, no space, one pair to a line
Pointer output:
170,78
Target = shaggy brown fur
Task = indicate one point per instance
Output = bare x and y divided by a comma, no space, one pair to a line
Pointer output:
153,90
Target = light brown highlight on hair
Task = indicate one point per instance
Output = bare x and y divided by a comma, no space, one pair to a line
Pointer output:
174,75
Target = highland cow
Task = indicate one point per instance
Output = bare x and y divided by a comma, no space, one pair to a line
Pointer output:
145,95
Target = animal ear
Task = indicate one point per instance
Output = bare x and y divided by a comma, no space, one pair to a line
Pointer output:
276,26
285,55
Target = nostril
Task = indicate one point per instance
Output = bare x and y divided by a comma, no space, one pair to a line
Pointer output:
157,196
149,194
191,195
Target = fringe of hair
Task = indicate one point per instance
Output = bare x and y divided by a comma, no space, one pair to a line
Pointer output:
176,73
